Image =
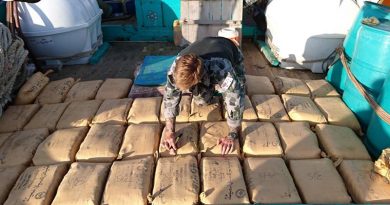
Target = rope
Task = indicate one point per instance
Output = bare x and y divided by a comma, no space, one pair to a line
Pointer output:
377,108
12,57
331,59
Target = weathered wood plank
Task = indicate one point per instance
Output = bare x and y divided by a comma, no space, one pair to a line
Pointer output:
212,10
194,32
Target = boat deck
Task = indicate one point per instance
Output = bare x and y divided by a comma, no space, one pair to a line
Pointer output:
123,57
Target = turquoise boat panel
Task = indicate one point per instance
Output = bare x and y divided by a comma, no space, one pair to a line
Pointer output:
2,12
171,12
157,13
128,32
151,12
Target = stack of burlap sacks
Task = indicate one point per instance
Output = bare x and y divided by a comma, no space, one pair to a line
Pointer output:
84,142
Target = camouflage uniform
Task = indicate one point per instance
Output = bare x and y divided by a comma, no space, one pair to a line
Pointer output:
217,70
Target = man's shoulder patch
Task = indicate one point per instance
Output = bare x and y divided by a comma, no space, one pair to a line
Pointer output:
227,83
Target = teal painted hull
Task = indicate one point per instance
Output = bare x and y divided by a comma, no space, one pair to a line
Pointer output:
2,12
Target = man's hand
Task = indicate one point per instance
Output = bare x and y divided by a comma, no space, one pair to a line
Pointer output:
227,145
169,142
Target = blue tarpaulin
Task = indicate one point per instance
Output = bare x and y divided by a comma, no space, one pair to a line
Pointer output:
153,71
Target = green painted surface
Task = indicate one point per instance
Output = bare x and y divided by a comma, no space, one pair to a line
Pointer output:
151,13
129,32
2,12
157,13
265,49
98,55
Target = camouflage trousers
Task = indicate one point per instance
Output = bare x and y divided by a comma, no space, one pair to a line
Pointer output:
233,102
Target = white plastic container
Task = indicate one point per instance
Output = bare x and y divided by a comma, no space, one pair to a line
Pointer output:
303,33
67,31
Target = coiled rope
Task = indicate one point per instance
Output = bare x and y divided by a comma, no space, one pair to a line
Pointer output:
12,57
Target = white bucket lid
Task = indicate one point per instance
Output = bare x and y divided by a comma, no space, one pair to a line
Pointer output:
228,33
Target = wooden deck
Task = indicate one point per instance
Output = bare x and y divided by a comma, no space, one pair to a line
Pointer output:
123,57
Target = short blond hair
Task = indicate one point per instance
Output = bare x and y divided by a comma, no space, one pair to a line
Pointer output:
188,71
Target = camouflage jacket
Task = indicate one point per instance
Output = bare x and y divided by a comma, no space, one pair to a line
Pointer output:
219,77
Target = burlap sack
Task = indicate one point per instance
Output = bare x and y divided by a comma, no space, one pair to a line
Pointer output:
55,91
37,185
31,89
113,112
129,182
298,141
258,85
83,91
184,110
60,147
140,141
78,114
4,137
303,109
270,182
145,110
341,143
20,147
337,113
269,108
382,164
114,88
364,185
83,184
291,86
319,182
223,181
101,144
211,112
260,139
210,132
249,112
47,117
176,181
321,88
187,142
16,117
8,177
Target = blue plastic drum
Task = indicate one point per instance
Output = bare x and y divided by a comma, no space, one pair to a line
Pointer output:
357,103
336,75
371,59
369,9
378,132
